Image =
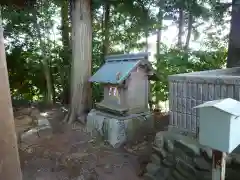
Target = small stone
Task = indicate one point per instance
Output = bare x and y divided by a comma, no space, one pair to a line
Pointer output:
184,172
44,131
229,159
189,148
163,174
167,163
180,154
159,140
185,169
24,120
204,175
208,152
236,158
177,175
42,121
155,159
30,136
35,113
171,177
202,164
161,152
152,168
169,146
108,168
147,176
78,155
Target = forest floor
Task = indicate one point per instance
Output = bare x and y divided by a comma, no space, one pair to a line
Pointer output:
68,152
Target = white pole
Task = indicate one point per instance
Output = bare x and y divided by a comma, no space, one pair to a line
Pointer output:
218,165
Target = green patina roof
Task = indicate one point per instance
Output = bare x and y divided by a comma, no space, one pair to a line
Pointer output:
119,64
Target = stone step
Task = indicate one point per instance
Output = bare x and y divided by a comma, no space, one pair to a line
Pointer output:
155,159
152,169
160,152
148,176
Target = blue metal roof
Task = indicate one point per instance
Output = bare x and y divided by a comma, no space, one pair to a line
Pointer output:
117,64
108,72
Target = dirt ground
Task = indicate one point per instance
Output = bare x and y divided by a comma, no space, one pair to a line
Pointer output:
70,153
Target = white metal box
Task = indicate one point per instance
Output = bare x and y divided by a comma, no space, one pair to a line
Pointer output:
219,124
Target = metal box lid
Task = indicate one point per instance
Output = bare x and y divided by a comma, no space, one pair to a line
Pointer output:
219,124
227,105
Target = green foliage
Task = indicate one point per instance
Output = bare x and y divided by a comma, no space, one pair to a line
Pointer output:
130,22
174,61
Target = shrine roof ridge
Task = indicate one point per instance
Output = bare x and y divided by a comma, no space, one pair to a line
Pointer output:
127,57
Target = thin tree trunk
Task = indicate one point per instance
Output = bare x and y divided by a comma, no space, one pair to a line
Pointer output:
106,29
65,29
159,35
189,32
66,56
146,40
180,27
159,31
82,57
9,157
45,63
234,37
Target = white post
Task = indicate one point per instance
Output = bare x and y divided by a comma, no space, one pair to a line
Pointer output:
218,165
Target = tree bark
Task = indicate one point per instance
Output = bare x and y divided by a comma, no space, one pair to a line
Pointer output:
45,64
105,50
65,29
189,32
9,157
159,31
82,58
234,36
66,70
146,40
180,27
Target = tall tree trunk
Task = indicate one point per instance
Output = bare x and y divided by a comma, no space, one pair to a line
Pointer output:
180,27
45,64
146,40
106,21
66,56
234,36
82,58
65,29
159,31
9,157
189,31
159,36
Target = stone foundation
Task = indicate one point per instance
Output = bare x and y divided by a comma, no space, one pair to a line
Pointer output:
118,130
177,157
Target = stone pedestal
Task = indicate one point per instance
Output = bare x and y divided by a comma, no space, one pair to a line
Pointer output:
118,130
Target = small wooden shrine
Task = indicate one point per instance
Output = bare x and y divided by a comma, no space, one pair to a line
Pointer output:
123,114
126,83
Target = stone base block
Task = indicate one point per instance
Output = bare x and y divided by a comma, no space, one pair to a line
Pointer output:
118,130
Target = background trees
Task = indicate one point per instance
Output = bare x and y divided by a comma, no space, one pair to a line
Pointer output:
43,55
